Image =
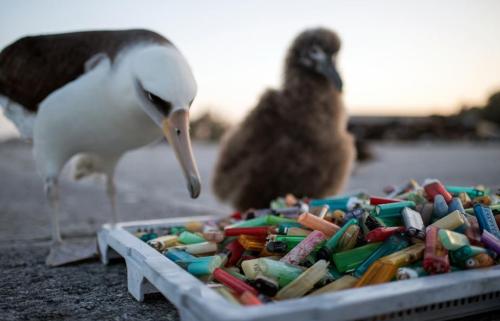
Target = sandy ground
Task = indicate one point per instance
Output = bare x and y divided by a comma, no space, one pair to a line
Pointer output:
151,186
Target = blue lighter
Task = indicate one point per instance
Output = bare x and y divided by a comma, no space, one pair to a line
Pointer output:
486,220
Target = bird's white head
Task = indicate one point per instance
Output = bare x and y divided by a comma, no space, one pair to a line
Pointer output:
166,88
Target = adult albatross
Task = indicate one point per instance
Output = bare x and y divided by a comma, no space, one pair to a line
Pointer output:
96,94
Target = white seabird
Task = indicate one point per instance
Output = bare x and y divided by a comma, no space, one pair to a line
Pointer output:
96,94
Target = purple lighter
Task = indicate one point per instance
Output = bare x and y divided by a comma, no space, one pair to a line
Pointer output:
491,241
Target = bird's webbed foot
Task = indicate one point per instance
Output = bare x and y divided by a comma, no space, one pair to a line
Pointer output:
65,252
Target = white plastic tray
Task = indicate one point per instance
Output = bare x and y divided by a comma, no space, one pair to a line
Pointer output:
437,297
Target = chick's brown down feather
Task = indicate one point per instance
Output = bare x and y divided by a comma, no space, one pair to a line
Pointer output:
294,141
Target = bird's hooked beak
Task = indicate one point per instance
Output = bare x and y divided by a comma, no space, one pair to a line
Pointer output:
330,71
326,65
176,130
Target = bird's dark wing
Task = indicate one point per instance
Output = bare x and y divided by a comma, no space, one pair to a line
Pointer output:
33,67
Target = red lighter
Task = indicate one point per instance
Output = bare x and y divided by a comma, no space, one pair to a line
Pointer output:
435,255
435,188
382,233
234,250
235,284
256,231
375,200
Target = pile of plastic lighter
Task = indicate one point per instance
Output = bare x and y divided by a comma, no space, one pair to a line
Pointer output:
313,246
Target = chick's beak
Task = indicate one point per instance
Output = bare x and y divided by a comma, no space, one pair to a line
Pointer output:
331,72
176,130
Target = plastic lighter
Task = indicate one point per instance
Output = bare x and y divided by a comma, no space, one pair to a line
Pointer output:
459,257
297,231
315,223
355,213
304,248
435,255
213,236
394,243
486,220
378,272
304,282
370,222
491,241
350,260
163,242
412,185
185,262
285,211
380,234
337,217
277,247
198,248
190,238
248,298
252,243
232,282
284,273
479,261
343,203
330,245
251,268
413,222
146,236
456,205
265,220
434,188
265,285
392,210
255,231
226,293
406,256
410,272
451,221
205,267
234,271
349,238
384,269
440,207
425,211
452,240
177,255
290,240
471,191
194,226
344,282
374,200
283,227
233,250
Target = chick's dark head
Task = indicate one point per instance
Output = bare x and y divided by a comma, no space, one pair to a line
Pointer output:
314,52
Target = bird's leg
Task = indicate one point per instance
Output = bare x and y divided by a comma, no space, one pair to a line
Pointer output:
111,192
63,252
52,194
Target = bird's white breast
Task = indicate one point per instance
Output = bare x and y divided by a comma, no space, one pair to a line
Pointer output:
85,116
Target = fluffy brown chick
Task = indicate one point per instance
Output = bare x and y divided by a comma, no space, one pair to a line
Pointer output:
295,140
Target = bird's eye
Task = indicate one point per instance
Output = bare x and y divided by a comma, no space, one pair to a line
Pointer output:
314,50
163,106
317,53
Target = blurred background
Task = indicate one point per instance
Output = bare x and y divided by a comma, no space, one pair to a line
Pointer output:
399,58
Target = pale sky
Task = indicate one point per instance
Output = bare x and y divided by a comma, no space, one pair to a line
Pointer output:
398,57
